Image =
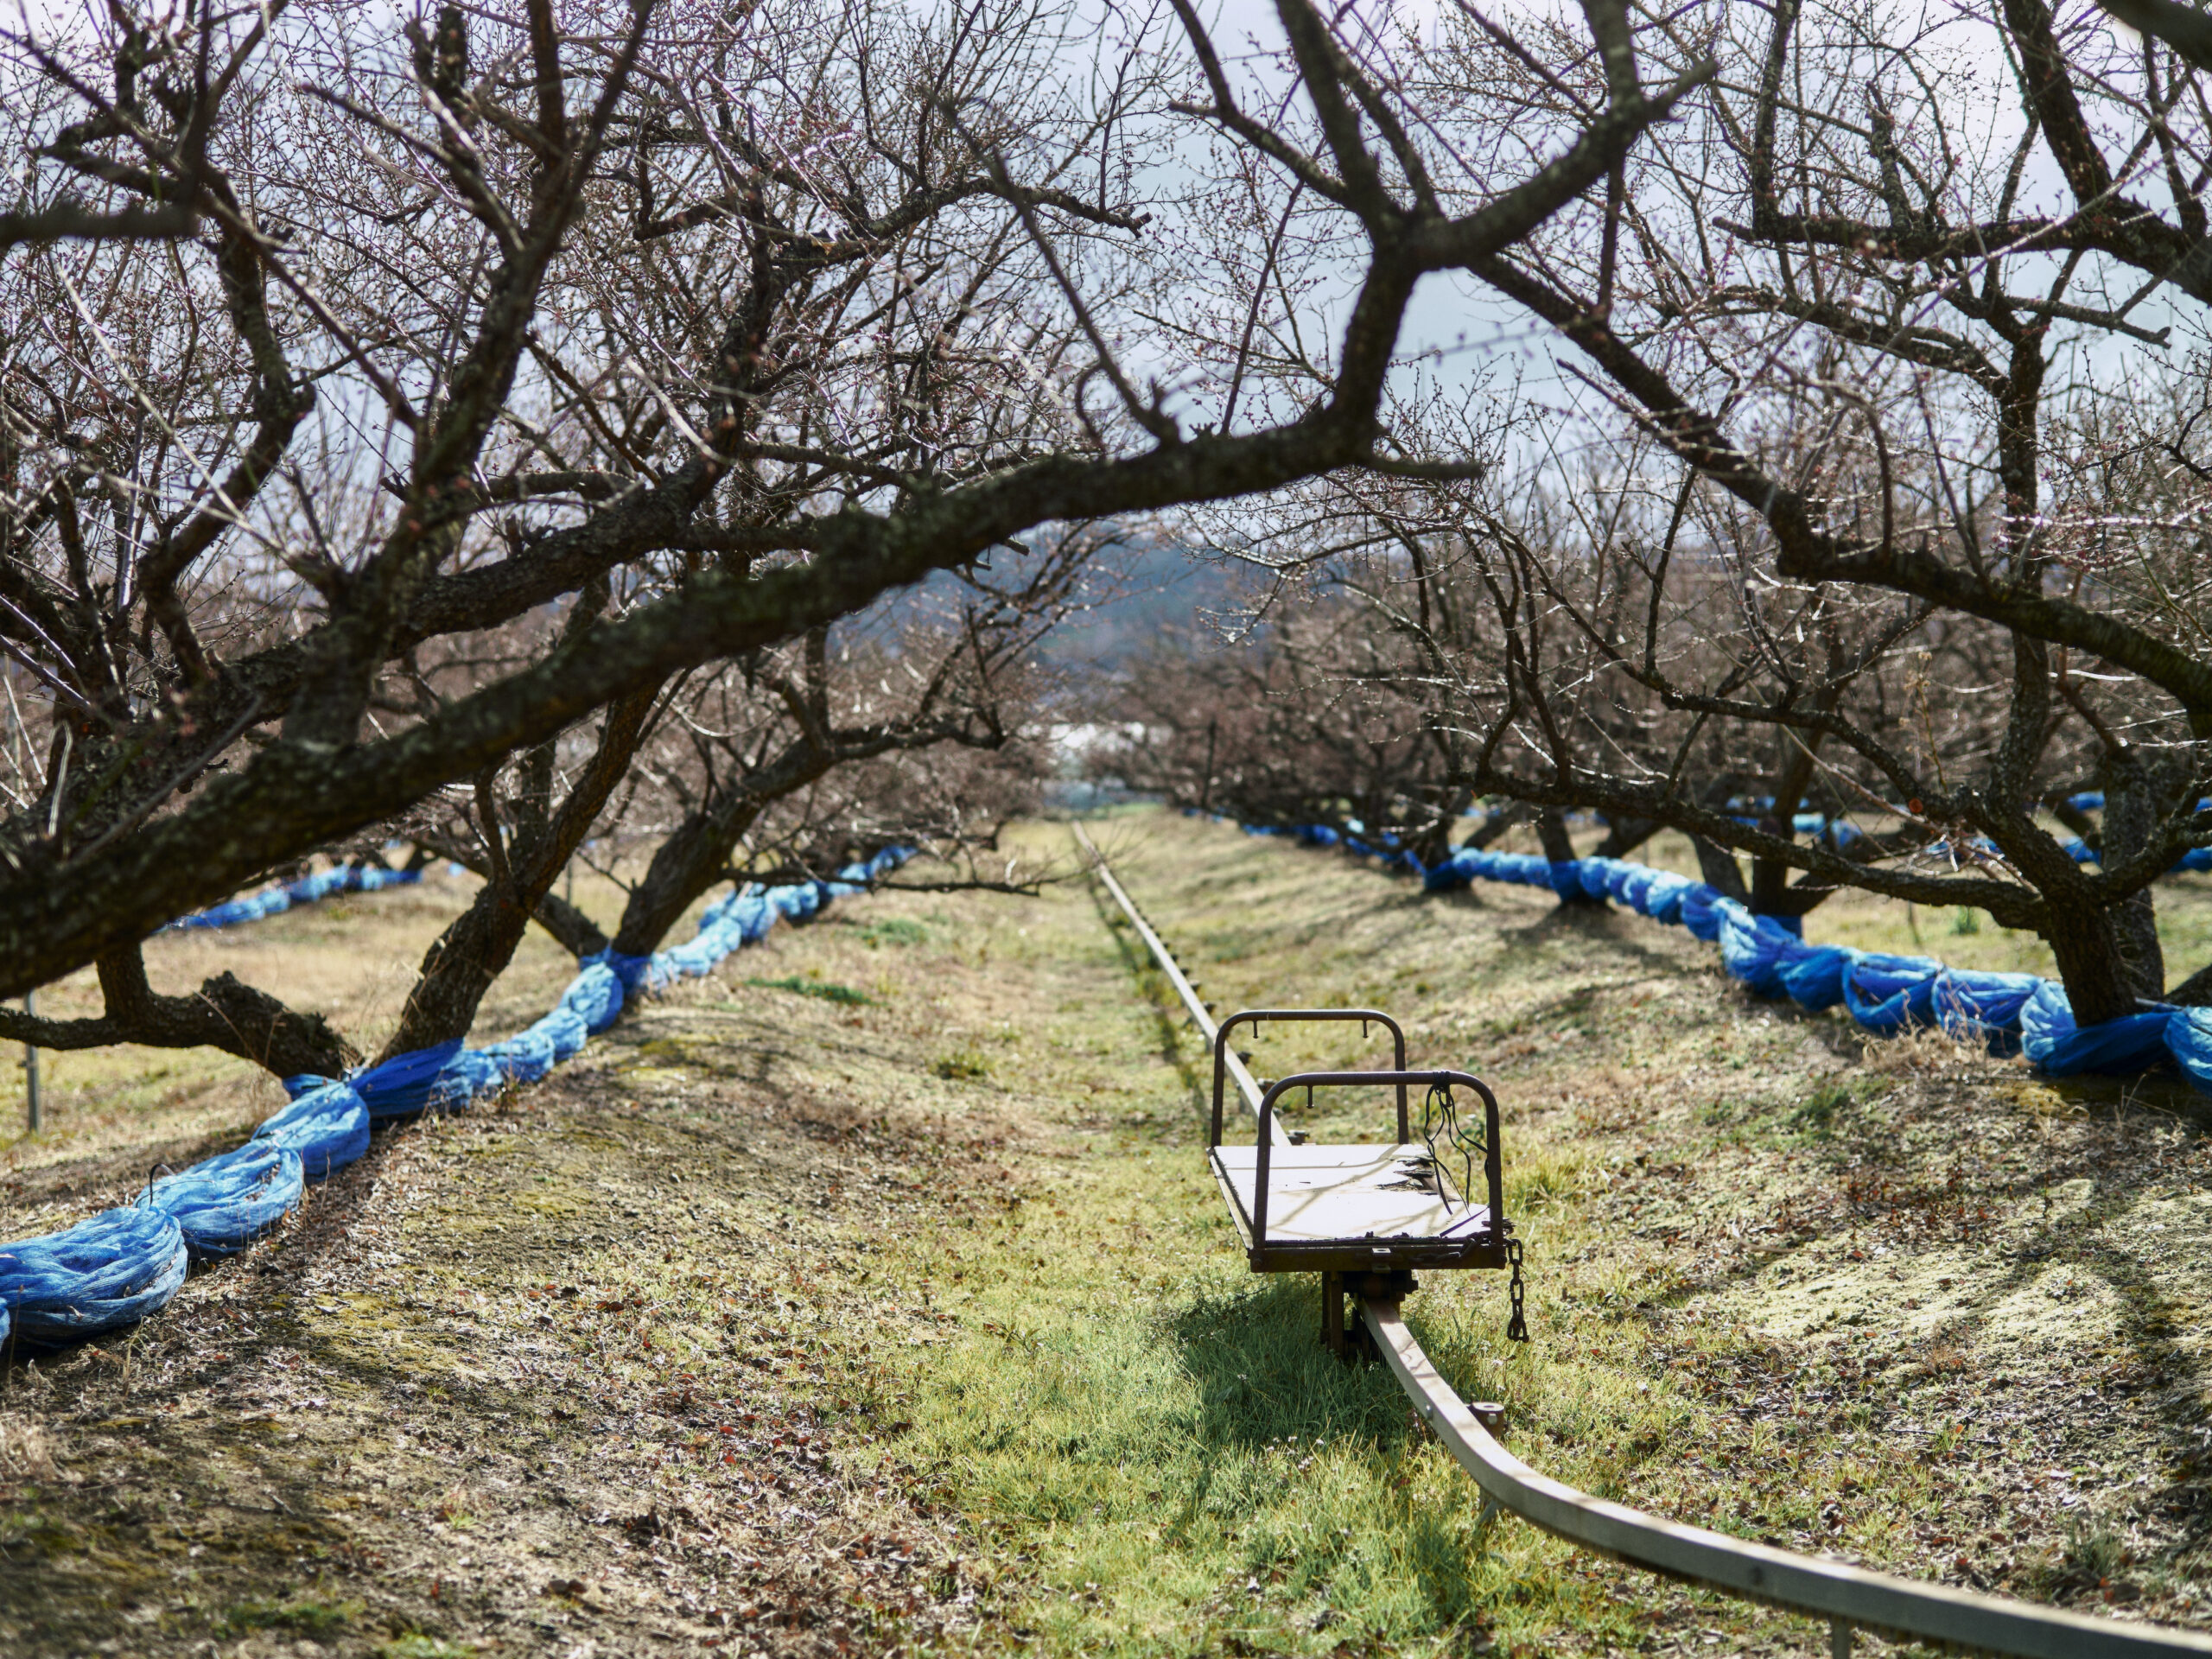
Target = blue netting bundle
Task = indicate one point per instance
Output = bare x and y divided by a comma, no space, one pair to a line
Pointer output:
472,1072
2189,1039
1663,899
1754,949
311,889
225,1203
563,1029
2059,1047
1812,975
1450,873
402,1084
327,1124
522,1058
124,1264
698,956
1888,993
1315,834
1882,992
1985,1005
754,916
796,902
1700,910
652,972
96,1276
595,996
308,889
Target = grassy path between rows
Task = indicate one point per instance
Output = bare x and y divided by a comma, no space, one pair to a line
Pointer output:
871,1296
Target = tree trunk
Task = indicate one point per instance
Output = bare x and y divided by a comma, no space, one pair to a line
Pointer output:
1551,827
685,866
1719,868
2099,980
2137,793
476,949
225,1013
1495,825
1432,841
1624,836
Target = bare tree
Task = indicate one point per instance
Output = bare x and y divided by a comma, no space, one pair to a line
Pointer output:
743,319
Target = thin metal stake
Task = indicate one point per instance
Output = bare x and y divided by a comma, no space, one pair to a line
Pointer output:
30,1068
1840,1638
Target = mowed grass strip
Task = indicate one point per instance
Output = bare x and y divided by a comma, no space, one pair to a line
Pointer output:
1781,1285
1148,1439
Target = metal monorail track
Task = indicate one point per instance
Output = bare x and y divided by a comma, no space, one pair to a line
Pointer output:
1847,1597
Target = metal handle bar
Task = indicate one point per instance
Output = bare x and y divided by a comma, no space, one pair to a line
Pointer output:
1256,1015
1493,1167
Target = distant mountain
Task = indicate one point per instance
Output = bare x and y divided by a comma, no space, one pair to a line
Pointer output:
1134,593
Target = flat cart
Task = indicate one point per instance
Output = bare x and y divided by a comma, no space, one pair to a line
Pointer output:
1364,1215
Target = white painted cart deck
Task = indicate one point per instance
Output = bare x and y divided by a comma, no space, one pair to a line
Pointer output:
1319,1194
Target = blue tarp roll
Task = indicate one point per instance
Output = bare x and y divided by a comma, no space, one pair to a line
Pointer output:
327,1125
124,1264
2055,1043
1813,976
307,890
564,1029
1985,1005
1754,949
402,1085
1882,992
595,994
472,1072
524,1058
1888,993
2189,1039
225,1203
96,1276
1700,910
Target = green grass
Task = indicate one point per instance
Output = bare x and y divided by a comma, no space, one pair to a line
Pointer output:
306,1616
1150,1442
803,987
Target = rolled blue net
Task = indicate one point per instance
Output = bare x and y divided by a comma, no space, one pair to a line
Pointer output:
327,1125
401,1086
595,996
225,1203
1888,993
125,1263
2059,1047
97,1276
1882,992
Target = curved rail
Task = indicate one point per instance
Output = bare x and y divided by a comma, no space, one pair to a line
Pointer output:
1848,1598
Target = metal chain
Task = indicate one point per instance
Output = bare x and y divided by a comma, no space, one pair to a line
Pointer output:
1517,1328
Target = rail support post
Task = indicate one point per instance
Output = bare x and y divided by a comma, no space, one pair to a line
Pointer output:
1332,1313
1839,1638
34,1105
